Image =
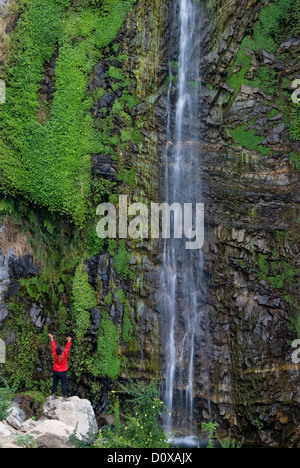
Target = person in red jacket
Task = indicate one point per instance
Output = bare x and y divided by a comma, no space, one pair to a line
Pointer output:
60,367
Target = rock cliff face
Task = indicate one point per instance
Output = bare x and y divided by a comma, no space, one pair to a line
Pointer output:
252,246
245,379
119,279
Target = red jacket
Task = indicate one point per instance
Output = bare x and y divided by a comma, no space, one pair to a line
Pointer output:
61,366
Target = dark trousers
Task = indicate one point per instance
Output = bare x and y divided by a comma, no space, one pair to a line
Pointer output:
62,377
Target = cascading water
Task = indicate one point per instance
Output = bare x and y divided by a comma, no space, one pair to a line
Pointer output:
181,290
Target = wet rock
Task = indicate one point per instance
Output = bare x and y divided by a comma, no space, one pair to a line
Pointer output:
104,166
36,316
23,267
105,104
274,137
16,417
12,290
95,318
101,78
3,312
104,419
267,58
293,42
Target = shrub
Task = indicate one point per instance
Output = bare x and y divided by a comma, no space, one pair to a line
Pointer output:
84,299
210,429
25,441
248,139
50,164
6,396
141,428
274,20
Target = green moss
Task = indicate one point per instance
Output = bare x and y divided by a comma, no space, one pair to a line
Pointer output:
50,164
277,21
235,79
263,266
121,256
279,274
266,80
296,324
294,122
295,158
115,73
274,20
22,353
108,299
84,299
248,139
106,361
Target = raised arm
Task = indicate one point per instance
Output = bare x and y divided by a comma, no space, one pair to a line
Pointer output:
68,345
52,344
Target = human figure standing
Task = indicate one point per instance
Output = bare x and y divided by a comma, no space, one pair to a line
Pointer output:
60,367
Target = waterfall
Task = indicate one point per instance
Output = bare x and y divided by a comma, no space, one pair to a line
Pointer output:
181,291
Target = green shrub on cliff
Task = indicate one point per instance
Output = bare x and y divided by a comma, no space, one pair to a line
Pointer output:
49,162
275,18
84,299
248,138
6,396
106,361
22,353
295,158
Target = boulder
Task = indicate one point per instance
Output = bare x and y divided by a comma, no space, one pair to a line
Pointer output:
28,425
4,431
74,412
52,434
23,266
15,418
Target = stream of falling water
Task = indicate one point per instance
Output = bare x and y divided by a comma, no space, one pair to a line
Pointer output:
182,270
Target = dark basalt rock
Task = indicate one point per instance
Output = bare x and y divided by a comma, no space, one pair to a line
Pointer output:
104,166
23,267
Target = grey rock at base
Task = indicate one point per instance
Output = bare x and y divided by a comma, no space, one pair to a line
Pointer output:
15,418
75,412
4,431
28,425
52,434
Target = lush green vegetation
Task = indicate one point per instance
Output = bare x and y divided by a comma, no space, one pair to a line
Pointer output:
84,299
6,396
50,164
210,429
107,358
277,273
277,20
247,138
22,354
295,158
282,275
141,428
46,182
